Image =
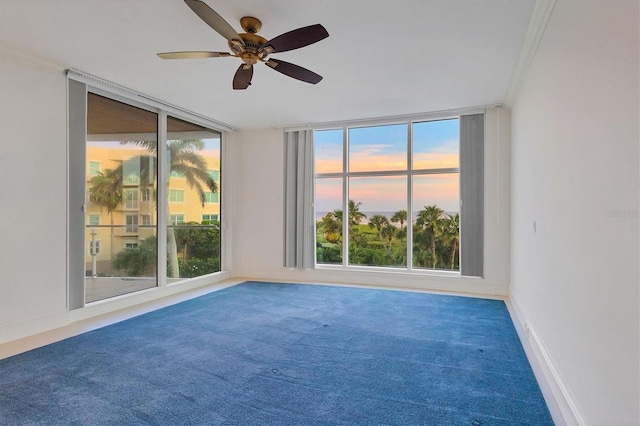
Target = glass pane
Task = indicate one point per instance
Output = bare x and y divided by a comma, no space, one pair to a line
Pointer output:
436,144
377,221
193,205
380,148
436,221
328,150
121,224
329,221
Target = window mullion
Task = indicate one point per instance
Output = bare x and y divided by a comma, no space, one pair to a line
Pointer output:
345,196
409,197
162,194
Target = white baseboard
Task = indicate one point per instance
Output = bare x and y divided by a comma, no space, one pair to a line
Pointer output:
449,283
560,400
24,329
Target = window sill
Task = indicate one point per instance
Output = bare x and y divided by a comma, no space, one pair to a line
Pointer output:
392,270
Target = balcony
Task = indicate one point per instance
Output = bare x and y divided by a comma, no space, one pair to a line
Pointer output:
118,262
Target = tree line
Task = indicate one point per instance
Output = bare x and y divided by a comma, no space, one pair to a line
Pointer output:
198,244
383,241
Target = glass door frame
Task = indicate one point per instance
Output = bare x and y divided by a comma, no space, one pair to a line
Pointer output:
78,87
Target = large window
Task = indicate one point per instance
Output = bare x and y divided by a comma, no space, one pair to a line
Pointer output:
122,200
121,140
193,244
399,186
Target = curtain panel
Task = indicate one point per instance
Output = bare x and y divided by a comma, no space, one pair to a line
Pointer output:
472,195
299,196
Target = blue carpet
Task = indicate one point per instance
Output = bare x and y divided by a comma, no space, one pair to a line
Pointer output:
285,354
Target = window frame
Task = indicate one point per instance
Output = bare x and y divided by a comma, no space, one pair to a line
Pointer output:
97,247
145,217
176,192
134,202
212,195
145,195
78,87
202,219
131,228
93,172
176,222
92,216
409,173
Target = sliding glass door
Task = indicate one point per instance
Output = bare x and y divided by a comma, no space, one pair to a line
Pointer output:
139,216
193,200
120,207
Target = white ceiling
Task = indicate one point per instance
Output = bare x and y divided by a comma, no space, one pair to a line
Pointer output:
382,58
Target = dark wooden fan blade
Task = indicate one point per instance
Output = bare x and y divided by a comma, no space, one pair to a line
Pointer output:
294,71
215,21
192,55
243,76
296,39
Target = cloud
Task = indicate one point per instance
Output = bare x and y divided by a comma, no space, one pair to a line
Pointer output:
390,193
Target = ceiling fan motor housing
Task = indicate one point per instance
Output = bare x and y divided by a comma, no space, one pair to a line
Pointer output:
249,52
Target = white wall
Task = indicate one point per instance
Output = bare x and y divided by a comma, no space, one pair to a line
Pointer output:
575,156
33,222
258,228
258,231
33,208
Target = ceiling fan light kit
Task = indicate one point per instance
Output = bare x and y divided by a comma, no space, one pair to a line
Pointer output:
252,48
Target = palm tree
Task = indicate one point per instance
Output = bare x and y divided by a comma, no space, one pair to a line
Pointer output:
400,216
355,215
331,225
379,222
451,233
187,237
184,159
105,190
338,215
388,232
430,220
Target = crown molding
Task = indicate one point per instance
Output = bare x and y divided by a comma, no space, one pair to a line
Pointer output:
540,15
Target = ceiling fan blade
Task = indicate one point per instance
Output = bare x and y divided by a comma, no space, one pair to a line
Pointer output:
192,55
215,21
243,76
296,39
294,71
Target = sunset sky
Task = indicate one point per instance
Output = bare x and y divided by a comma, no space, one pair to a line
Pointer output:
384,148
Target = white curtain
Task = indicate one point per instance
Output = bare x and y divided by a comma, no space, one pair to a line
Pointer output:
472,195
298,209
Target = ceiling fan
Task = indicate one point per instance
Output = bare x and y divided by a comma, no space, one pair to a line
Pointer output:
252,48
